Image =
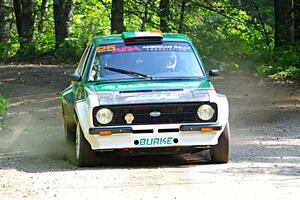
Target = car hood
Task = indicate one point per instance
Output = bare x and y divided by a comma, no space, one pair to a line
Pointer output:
147,92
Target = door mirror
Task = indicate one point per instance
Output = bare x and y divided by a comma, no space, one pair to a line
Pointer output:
214,72
75,77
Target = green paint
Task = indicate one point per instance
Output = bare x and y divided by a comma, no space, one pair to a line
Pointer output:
201,83
118,38
126,35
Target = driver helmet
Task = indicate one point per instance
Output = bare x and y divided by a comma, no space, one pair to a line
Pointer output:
170,60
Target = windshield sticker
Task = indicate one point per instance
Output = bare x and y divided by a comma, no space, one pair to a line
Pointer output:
166,48
126,49
121,48
103,49
117,49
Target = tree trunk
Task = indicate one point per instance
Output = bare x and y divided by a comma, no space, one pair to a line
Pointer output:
145,17
24,12
5,17
181,16
297,21
69,11
283,23
63,17
261,21
117,22
164,15
44,5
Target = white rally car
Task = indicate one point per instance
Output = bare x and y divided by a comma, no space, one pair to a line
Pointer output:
140,93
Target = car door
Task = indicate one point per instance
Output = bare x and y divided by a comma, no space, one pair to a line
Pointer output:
73,92
77,86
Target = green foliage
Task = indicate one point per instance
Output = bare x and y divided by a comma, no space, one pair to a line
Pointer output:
229,38
285,64
91,18
69,51
3,105
289,73
9,48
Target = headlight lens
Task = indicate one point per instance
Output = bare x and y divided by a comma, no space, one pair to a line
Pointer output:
205,112
104,116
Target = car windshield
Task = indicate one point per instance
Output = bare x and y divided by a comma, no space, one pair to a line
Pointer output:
163,60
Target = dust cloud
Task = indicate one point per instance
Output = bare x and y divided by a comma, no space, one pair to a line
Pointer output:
34,124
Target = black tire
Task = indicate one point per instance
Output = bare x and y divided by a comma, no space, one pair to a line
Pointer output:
220,152
84,156
69,144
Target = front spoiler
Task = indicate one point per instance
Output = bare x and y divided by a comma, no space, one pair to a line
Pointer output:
154,136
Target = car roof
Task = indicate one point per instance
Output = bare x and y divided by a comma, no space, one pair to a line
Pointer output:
117,38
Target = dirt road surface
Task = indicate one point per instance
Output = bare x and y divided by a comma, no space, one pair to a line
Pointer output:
265,147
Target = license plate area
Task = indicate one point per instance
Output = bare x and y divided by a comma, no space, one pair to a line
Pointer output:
156,141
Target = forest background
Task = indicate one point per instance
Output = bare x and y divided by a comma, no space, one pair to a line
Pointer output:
257,36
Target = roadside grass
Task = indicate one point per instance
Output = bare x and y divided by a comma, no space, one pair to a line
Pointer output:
4,102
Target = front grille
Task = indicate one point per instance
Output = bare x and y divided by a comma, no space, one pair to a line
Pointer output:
170,113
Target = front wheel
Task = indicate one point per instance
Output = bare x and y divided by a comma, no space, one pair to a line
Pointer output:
84,155
220,152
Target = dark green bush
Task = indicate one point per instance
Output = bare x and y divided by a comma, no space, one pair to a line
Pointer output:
285,64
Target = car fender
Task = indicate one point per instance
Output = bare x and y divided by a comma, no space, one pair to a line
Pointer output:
83,109
223,107
67,102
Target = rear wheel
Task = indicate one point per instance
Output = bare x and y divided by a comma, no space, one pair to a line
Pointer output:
220,152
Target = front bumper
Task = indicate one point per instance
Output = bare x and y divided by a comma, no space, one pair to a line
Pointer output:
152,136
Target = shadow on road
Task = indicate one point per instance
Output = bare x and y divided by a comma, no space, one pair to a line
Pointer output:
55,163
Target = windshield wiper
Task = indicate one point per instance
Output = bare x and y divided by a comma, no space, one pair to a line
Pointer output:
180,78
132,73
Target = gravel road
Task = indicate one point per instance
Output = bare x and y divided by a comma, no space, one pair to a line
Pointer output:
265,147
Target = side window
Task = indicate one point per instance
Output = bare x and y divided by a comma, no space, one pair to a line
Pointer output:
80,68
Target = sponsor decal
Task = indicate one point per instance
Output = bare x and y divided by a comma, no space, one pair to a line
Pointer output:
114,49
166,48
121,48
153,97
126,49
155,141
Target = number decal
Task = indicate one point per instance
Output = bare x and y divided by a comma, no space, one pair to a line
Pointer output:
111,47
103,49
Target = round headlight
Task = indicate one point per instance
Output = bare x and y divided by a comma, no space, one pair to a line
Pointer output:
104,116
205,112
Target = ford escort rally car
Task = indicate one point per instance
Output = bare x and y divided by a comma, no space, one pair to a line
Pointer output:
140,93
